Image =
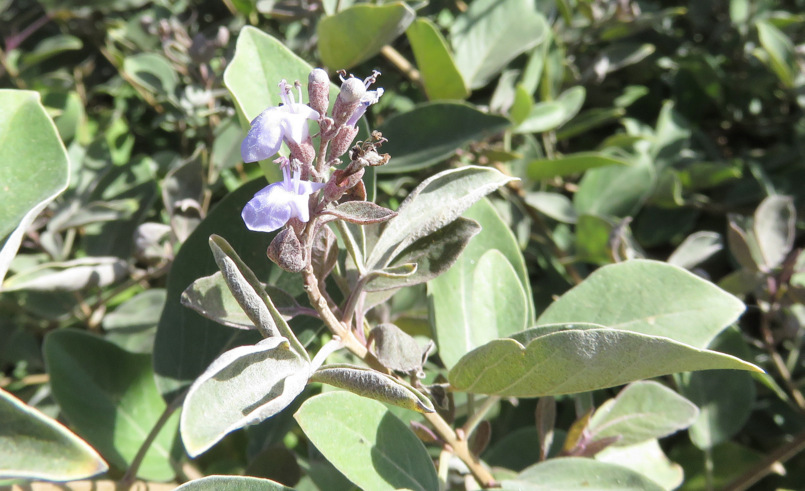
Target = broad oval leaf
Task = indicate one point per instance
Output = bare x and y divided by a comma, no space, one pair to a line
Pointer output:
243,386
109,396
566,359
440,76
232,483
775,229
366,382
359,32
648,459
642,411
152,71
649,297
436,202
367,443
40,169
433,131
550,115
452,295
35,446
569,164
491,33
696,248
577,474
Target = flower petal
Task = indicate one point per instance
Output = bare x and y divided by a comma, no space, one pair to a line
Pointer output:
264,137
270,209
295,122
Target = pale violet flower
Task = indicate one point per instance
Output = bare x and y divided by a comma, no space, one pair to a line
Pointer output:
275,204
275,124
369,98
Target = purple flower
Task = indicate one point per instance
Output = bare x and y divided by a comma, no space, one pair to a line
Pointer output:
275,204
287,122
371,97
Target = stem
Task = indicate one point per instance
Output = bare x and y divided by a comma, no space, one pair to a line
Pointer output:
766,466
779,363
131,473
478,415
402,64
445,431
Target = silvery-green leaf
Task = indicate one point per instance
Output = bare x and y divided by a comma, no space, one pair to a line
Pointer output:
241,387
570,358
775,229
642,411
361,212
435,203
232,483
648,459
35,446
396,349
72,275
649,297
251,296
695,249
577,474
373,384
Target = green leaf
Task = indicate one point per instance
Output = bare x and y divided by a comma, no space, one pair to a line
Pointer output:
615,190
50,47
569,164
153,72
40,169
259,63
726,399
453,295
186,343
361,212
440,77
133,324
648,459
359,32
35,446
109,396
781,51
366,442
366,382
550,115
436,202
250,294
232,483
433,131
73,275
491,33
642,411
243,386
649,297
570,358
695,249
554,205
578,474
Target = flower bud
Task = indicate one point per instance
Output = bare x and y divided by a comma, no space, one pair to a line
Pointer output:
304,151
318,90
286,251
352,90
340,182
340,144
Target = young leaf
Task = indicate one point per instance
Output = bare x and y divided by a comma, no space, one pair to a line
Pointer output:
565,359
440,77
431,132
35,446
433,255
435,203
369,28
243,386
642,411
649,297
251,296
373,384
775,229
367,443
108,395
361,212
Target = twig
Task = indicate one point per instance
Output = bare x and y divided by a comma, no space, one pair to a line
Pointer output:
402,64
765,466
